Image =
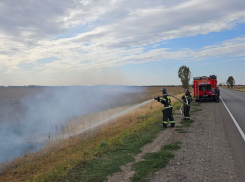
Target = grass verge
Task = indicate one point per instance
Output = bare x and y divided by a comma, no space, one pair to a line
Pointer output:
177,106
110,161
102,154
180,130
153,162
194,110
187,123
91,158
195,104
111,158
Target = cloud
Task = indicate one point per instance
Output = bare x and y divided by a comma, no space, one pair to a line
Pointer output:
42,19
233,48
110,33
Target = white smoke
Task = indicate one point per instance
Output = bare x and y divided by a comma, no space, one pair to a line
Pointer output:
45,113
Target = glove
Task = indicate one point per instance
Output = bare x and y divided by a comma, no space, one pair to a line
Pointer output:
157,98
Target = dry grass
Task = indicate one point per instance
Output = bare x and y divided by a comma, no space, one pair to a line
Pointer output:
10,102
236,87
80,124
239,88
12,109
58,157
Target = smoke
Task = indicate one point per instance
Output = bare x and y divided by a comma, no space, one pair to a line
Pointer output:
117,115
44,113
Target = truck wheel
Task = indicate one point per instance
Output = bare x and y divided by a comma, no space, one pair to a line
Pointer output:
197,100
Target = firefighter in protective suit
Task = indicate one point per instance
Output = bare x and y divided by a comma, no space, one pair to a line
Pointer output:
168,109
217,94
187,99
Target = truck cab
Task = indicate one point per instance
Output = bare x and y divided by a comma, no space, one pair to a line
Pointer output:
205,87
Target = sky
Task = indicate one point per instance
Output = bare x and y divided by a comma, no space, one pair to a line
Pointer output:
120,42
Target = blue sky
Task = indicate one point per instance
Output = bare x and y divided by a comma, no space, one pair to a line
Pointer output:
122,42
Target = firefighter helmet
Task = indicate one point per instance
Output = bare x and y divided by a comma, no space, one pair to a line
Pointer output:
164,90
187,90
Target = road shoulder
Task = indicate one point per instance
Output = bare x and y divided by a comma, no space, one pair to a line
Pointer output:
205,153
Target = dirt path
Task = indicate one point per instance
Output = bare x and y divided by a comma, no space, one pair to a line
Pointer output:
163,138
204,154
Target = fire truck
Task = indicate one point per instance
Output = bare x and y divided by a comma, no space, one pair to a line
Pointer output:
205,87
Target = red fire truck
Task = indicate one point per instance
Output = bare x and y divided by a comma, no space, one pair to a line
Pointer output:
205,87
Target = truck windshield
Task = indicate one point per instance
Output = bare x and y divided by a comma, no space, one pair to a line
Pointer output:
205,87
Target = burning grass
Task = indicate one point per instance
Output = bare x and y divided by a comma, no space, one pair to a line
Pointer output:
58,158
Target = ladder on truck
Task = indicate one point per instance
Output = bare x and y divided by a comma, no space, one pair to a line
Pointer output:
196,93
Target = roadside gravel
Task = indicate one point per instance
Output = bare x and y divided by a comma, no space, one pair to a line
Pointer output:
204,155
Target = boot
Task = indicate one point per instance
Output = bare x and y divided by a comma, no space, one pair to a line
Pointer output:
172,124
164,125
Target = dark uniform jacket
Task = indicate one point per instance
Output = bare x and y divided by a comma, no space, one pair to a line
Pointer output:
218,92
166,101
187,98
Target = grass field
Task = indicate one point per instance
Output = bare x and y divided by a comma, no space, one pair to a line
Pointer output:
30,116
239,88
59,158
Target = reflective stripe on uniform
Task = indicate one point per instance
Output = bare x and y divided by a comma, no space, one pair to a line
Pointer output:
165,122
172,121
168,107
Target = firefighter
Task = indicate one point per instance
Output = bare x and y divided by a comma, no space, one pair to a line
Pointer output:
217,94
168,109
187,99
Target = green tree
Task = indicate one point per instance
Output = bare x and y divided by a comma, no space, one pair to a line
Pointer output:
230,82
184,74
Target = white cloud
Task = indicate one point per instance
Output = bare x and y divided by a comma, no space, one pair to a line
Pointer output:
111,32
233,48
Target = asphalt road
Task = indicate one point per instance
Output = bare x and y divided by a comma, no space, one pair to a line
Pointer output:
235,102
